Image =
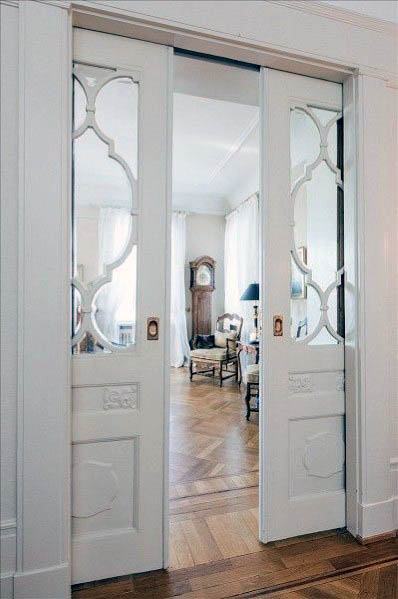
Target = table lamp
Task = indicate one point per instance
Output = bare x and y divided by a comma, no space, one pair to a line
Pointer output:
252,294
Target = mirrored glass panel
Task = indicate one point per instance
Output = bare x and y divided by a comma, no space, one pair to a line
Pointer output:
105,209
316,194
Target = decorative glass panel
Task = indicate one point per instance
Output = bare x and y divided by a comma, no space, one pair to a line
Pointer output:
105,209
316,192
115,304
123,130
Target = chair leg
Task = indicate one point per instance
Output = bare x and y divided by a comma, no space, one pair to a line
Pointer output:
221,374
190,370
247,399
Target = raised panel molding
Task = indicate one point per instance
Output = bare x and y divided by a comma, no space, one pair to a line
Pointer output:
95,399
323,455
123,397
98,487
300,383
105,492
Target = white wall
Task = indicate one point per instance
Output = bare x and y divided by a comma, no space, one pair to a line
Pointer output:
205,237
9,297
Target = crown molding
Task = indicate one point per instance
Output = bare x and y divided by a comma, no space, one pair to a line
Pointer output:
234,148
13,3
336,13
66,4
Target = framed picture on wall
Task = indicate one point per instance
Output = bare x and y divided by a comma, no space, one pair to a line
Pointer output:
298,288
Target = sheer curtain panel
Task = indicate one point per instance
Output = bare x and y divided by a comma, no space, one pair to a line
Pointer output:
241,259
179,346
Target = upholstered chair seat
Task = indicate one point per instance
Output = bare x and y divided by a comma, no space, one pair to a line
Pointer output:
215,353
252,373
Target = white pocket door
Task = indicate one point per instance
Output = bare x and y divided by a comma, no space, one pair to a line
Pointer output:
121,89
303,444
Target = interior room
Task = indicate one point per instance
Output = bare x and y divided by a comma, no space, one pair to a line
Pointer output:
214,312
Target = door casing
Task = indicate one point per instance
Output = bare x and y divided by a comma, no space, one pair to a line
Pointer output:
349,81
354,101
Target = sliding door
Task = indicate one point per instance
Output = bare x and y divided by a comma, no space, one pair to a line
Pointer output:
119,304
303,411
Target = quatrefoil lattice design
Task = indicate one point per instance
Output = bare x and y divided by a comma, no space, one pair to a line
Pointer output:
92,80
323,156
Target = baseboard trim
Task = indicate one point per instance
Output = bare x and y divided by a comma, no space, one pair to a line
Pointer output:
8,555
375,519
375,538
47,583
7,585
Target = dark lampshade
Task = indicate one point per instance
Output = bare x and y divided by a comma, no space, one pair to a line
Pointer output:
252,293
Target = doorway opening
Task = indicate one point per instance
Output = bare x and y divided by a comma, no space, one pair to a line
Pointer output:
215,281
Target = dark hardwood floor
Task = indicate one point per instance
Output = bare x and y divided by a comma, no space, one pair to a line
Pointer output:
214,551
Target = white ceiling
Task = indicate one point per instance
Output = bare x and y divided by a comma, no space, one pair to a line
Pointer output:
215,148
215,141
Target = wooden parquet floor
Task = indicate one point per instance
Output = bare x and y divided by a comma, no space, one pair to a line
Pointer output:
214,551
213,473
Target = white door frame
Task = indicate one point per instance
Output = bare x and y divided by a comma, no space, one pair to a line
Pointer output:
44,435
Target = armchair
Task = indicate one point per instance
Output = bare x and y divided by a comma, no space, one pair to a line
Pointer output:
221,356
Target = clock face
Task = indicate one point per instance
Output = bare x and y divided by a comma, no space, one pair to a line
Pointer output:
203,277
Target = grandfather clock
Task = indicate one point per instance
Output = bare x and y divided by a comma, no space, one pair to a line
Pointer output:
202,287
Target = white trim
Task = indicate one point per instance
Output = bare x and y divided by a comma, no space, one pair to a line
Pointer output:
43,407
376,518
264,478
12,3
46,583
352,242
242,46
337,13
375,200
8,549
7,586
310,7
166,350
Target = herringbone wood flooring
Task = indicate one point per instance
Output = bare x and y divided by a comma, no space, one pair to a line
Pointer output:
214,552
213,473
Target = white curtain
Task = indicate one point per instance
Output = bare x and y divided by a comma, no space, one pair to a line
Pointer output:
179,346
116,302
241,259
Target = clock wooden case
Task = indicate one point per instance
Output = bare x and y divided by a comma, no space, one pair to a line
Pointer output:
202,286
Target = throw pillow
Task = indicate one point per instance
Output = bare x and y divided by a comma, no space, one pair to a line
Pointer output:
220,339
204,341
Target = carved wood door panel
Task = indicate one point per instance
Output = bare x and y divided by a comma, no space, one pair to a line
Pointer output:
303,474
119,232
